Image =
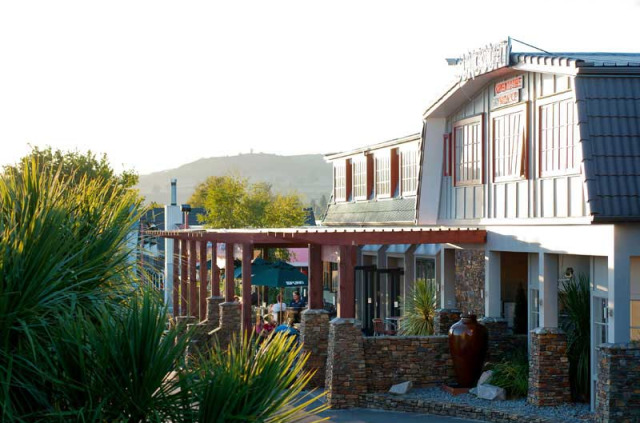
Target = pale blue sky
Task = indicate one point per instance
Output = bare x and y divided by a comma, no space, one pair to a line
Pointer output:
156,84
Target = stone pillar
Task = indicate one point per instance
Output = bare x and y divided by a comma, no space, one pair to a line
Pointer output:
314,332
230,317
548,368
346,379
498,330
618,386
182,323
213,310
444,319
202,331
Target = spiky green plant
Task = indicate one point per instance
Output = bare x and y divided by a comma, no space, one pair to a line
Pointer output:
512,374
420,309
242,384
575,299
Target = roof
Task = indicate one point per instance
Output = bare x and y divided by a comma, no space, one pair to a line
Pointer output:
609,122
378,146
397,210
578,59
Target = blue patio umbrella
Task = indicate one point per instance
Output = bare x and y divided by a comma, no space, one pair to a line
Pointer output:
278,274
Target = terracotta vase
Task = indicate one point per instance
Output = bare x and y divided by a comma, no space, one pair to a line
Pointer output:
468,342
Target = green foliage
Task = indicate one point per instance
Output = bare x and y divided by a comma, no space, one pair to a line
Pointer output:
575,301
512,374
231,202
263,386
420,309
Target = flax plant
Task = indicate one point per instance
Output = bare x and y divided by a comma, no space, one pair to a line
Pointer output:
419,310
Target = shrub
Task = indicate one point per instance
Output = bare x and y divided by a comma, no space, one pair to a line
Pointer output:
512,374
420,309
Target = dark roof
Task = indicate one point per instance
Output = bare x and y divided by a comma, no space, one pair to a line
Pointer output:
154,216
609,121
398,210
579,59
368,148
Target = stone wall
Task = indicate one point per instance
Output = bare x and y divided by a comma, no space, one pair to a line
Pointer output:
618,386
346,379
502,341
470,281
314,334
230,317
548,368
444,319
423,360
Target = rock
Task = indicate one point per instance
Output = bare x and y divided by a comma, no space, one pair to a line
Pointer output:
401,388
485,377
491,392
473,391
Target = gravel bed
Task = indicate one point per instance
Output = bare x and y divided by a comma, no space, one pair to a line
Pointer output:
568,413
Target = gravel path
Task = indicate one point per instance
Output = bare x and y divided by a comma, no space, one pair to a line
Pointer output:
569,413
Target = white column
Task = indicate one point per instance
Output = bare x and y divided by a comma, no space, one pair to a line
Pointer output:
619,296
492,284
548,276
447,278
172,218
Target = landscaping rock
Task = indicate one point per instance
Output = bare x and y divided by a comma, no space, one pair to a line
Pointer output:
485,377
401,388
473,391
491,392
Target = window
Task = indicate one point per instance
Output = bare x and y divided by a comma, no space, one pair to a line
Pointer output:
558,138
467,136
409,162
383,175
446,155
360,178
340,181
635,320
509,143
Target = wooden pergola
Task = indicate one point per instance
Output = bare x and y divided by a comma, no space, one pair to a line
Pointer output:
193,242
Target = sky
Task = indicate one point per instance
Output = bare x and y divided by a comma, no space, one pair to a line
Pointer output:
157,84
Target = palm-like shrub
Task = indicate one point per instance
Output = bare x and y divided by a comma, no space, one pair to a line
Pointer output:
420,309
575,300
242,384
512,374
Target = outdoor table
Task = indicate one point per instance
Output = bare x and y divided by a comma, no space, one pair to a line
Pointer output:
393,321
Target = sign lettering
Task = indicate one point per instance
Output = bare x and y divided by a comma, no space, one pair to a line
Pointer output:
484,60
511,97
508,85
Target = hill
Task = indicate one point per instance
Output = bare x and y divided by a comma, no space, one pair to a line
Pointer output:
309,175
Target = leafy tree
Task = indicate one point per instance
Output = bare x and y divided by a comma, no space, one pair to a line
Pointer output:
231,202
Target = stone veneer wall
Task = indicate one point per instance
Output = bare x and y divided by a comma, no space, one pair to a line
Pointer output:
501,339
618,386
470,281
201,338
423,360
346,378
314,334
548,368
444,319
230,317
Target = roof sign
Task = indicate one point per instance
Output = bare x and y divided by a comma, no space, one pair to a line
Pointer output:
484,60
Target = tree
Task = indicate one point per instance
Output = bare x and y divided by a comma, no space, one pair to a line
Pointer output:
231,202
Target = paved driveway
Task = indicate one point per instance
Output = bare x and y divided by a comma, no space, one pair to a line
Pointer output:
359,415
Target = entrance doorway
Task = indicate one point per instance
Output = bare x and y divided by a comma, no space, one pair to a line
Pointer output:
513,289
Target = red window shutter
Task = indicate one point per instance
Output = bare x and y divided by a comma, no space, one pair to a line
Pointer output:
395,171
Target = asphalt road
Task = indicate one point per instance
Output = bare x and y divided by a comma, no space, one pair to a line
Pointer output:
357,415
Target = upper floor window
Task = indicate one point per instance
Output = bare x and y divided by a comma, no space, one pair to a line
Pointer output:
383,175
340,181
409,163
468,153
558,138
360,178
509,143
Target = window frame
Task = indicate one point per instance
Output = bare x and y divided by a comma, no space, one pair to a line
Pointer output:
413,150
355,163
446,154
545,102
524,165
380,155
473,120
338,166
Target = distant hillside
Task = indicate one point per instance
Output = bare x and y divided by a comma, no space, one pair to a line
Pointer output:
309,175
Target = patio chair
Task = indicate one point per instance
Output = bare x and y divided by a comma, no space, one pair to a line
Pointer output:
379,328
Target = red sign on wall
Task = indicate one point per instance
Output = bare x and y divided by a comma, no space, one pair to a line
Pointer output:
508,85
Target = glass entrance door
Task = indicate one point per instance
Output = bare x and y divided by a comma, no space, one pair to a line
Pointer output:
367,297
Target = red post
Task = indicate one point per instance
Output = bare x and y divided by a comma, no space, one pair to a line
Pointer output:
315,277
229,283
176,277
203,279
193,287
184,276
247,255
346,287
215,271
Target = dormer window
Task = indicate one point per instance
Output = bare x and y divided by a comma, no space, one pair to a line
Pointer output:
409,164
340,181
360,178
383,174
